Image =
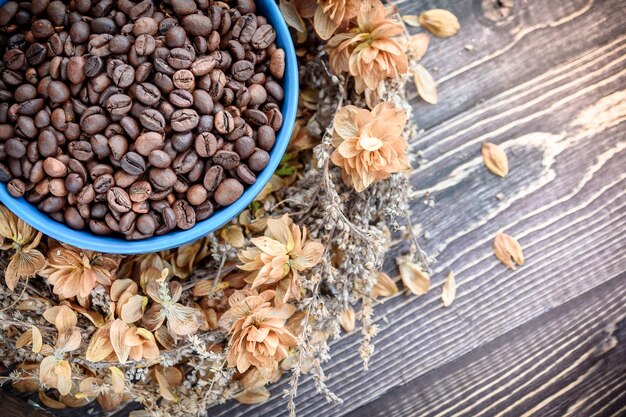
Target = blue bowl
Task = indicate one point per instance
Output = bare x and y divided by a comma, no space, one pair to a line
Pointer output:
87,240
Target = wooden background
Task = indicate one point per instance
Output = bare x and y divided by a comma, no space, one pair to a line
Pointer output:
546,79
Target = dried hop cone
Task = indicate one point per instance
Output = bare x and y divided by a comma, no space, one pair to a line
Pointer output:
439,22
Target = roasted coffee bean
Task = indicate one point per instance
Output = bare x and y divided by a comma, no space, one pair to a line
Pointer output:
180,58
93,66
133,163
197,25
197,194
118,146
263,37
175,37
205,144
226,159
148,142
224,122
103,183
213,177
202,102
184,120
146,224
228,191
184,79
181,98
185,214
148,94
242,70
123,75
162,178
266,138
159,159
81,150
255,117
145,45
119,200
245,174
244,146
245,28
258,160
74,183
140,191
127,222
185,162
152,119
16,188
72,217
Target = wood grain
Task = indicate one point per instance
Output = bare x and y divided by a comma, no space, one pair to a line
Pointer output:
548,85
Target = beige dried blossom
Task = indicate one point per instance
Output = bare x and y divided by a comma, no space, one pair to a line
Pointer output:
16,234
413,276
347,320
181,320
54,370
331,14
439,22
448,293
185,259
384,287
116,340
258,336
495,159
371,52
110,391
76,272
369,145
508,250
129,306
279,257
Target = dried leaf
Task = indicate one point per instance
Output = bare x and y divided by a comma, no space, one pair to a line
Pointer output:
413,277
100,346
425,84
418,45
347,320
449,290
50,402
508,250
385,286
495,159
411,20
233,236
439,22
253,396
164,387
202,288
292,16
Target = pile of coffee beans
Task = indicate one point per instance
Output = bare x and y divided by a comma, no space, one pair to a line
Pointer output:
136,118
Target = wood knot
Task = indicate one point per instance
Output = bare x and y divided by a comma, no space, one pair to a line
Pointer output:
496,10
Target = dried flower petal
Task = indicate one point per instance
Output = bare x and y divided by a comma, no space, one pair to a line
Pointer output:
411,20
413,276
495,159
233,236
164,387
116,334
508,250
292,16
425,84
449,290
385,286
100,346
255,395
439,22
418,45
347,320
117,379
50,402
134,308
37,339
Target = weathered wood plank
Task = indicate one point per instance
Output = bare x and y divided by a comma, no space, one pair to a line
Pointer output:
559,113
16,407
570,361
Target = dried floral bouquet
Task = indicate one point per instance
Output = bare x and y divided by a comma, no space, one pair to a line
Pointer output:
225,316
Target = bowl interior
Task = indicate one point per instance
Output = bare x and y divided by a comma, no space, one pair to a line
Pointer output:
88,240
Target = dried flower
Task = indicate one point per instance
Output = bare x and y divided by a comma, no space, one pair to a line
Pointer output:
181,320
347,320
76,272
330,14
118,340
370,53
54,371
16,234
109,391
495,159
129,305
369,145
448,292
508,250
425,84
258,334
413,276
385,286
439,22
186,258
418,45
255,395
280,256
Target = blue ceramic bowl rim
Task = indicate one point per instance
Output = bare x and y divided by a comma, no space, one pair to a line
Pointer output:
106,244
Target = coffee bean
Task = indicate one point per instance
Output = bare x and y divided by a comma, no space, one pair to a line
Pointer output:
145,45
180,58
118,146
184,120
119,200
205,144
213,177
16,188
133,163
242,70
197,25
228,191
81,150
140,191
152,119
245,28
175,37
277,64
148,142
226,159
202,102
185,214
258,160
162,179
147,94
255,117
123,75
245,174
263,37
103,183
224,122
244,146
74,183
159,159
